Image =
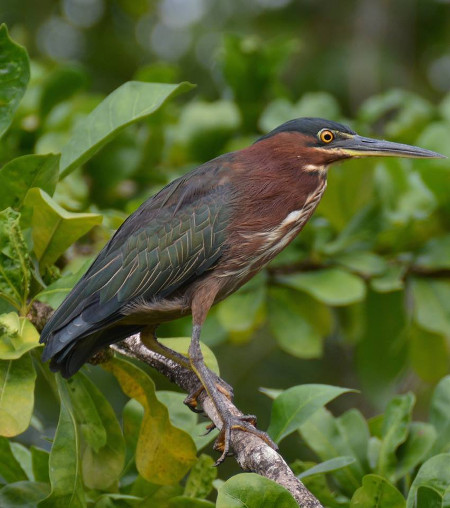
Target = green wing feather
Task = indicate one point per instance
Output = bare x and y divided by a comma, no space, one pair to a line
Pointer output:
174,236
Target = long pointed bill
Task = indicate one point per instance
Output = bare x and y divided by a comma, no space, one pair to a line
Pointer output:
358,146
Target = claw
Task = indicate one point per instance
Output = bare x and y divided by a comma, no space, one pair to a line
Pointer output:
245,423
209,428
191,400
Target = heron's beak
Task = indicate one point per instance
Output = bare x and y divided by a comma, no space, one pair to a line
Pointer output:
358,146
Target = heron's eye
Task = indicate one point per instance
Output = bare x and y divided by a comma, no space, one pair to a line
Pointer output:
326,136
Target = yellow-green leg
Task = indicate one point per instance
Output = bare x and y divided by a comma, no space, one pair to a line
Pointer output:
229,420
150,341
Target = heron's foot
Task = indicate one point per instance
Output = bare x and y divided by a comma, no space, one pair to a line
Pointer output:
222,386
245,423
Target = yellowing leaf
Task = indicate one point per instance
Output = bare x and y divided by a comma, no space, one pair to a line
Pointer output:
17,336
164,453
16,395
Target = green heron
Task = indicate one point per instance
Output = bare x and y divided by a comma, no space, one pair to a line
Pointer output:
200,239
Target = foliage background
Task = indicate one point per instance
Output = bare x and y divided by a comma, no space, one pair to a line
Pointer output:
361,299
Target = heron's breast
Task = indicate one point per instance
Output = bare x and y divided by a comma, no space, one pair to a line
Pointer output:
254,249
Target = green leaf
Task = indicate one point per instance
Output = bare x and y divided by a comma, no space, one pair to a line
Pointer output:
403,193
272,393
129,103
434,474
391,280
17,336
158,495
102,465
10,468
181,345
417,446
60,85
249,490
17,379
381,351
432,304
65,471
347,205
400,111
394,432
53,228
298,322
428,498
201,477
330,438
440,415
377,492
104,454
204,127
318,104
23,456
39,461
55,292
433,137
183,418
132,416
23,494
295,405
86,413
13,78
429,354
354,430
435,254
113,500
164,453
332,286
189,502
362,262
23,173
241,311
14,260
329,466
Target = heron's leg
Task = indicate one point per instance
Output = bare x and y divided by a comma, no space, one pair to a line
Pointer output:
149,339
229,421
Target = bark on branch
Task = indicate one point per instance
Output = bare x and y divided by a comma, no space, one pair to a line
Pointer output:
251,452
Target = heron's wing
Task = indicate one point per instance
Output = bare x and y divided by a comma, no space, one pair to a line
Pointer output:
175,236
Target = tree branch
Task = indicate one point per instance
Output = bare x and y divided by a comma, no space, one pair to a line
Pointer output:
251,452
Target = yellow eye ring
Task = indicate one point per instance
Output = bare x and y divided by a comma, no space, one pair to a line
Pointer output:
326,136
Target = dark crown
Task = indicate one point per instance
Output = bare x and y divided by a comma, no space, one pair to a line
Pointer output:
309,126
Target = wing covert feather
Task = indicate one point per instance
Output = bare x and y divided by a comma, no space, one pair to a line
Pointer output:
176,235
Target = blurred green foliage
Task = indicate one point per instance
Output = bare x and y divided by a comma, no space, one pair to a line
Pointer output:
360,299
